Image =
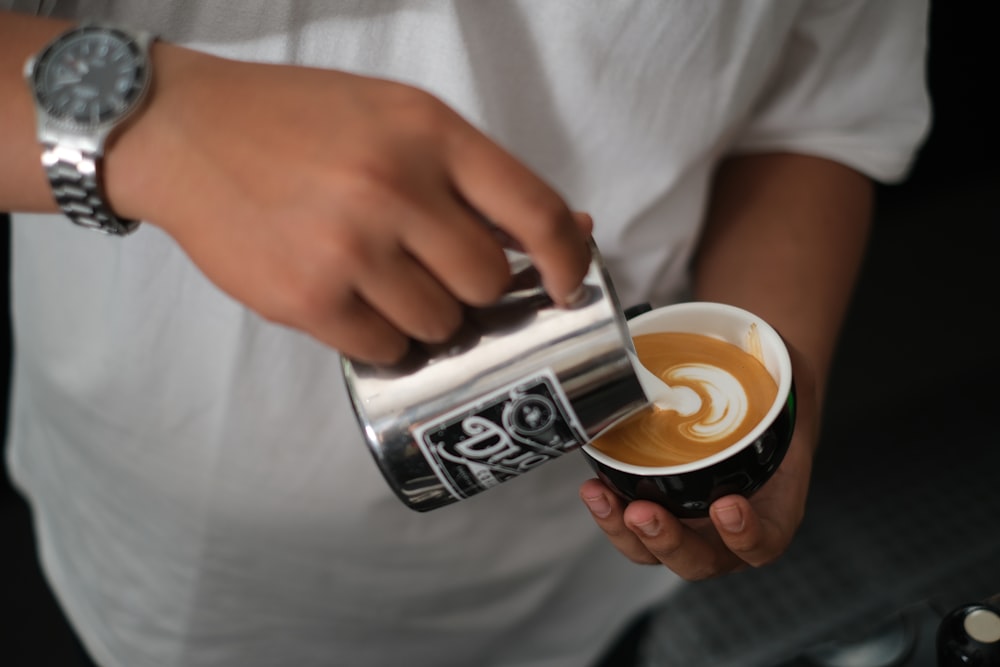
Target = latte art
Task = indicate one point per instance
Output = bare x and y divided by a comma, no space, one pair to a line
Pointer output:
735,389
725,401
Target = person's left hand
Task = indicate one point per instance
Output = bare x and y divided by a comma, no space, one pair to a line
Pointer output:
738,532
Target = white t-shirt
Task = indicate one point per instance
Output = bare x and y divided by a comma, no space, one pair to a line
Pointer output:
202,492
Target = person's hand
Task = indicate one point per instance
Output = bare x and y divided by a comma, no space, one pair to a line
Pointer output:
738,532
347,207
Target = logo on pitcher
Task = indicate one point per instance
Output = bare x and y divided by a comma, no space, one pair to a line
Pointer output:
504,434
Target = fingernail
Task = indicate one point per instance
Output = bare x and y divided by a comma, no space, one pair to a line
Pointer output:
649,528
577,296
598,506
730,517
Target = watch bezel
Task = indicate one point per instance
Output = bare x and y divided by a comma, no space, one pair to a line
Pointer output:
61,127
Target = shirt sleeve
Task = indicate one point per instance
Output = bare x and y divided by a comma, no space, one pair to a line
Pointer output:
851,87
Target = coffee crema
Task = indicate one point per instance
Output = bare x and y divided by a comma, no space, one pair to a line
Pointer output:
736,393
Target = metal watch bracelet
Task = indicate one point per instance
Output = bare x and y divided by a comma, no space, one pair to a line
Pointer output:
75,184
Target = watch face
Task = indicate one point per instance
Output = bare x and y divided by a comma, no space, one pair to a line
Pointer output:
90,76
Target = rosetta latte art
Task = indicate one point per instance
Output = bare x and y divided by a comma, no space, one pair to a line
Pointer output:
724,400
735,389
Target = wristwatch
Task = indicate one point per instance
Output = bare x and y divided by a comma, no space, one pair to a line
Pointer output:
87,83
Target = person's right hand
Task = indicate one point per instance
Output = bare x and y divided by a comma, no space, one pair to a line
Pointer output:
348,207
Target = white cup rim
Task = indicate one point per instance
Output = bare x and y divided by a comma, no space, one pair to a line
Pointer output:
782,372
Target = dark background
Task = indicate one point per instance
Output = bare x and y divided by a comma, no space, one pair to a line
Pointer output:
918,355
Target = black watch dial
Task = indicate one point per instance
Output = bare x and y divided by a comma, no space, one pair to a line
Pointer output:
90,76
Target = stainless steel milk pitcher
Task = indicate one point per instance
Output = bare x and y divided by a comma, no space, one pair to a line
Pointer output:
523,382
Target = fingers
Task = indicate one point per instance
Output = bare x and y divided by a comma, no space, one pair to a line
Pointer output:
759,530
356,330
607,509
584,223
455,246
646,533
517,201
754,539
680,546
410,298
734,537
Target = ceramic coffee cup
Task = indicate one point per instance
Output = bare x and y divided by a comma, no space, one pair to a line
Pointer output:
688,488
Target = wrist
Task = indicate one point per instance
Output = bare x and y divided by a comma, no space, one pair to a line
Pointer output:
143,158
23,185
135,158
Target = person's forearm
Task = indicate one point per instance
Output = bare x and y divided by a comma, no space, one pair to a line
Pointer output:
23,186
347,207
784,239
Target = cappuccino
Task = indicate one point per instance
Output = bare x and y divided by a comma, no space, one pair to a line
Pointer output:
735,389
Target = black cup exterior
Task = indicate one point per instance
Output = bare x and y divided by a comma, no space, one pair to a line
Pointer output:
689,494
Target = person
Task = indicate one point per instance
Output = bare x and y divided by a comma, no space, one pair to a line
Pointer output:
311,179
